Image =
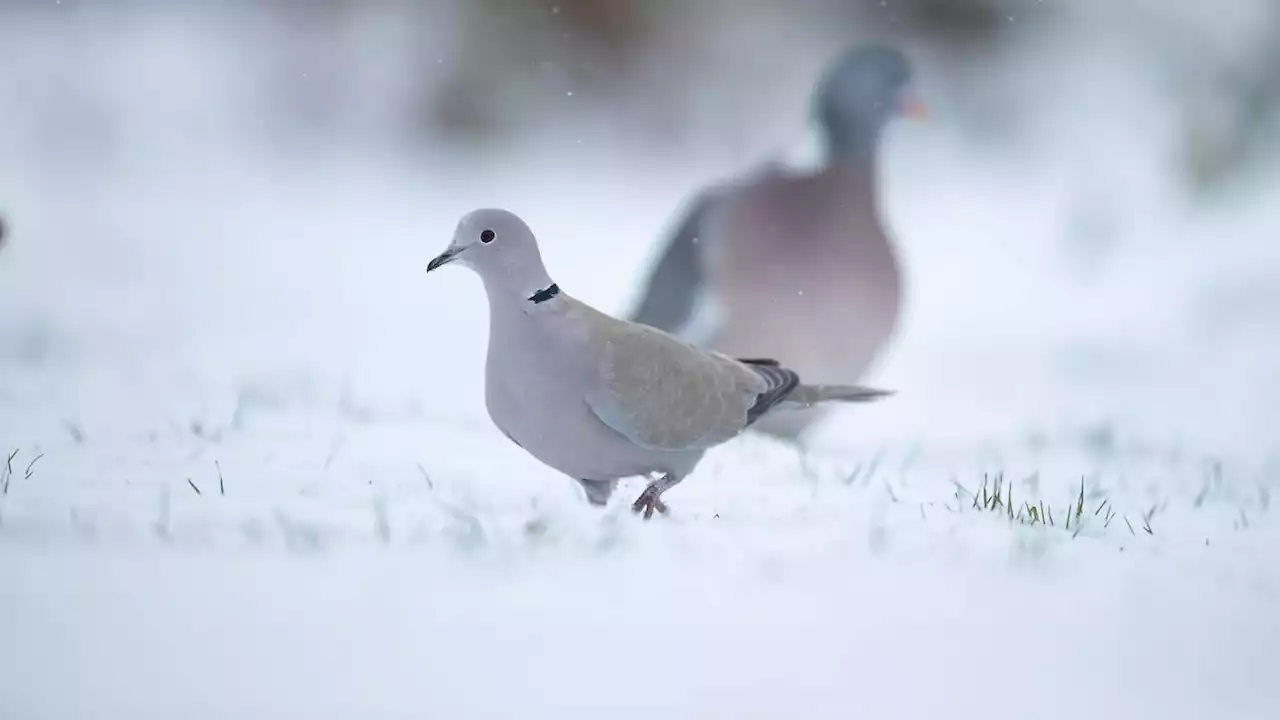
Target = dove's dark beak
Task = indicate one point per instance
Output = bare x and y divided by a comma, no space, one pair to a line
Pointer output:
442,259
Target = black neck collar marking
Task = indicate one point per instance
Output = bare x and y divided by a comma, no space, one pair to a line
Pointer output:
545,294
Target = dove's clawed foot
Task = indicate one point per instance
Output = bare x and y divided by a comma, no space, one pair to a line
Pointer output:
649,501
651,498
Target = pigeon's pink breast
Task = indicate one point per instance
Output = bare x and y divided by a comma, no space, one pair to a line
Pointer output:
807,276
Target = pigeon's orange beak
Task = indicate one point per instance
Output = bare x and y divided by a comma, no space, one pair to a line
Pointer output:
910,106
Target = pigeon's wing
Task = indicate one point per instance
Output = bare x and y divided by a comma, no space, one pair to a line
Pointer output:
664,394
671,292
677,296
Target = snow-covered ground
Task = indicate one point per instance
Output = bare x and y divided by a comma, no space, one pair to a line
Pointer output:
254,478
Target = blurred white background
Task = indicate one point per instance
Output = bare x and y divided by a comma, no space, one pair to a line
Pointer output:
219,215
200,194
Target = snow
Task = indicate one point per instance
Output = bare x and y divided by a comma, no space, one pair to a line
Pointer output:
189,307
629,632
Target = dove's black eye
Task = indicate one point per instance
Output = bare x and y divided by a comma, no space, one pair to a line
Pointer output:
486,237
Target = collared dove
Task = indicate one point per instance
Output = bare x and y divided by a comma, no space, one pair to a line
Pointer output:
796,265
598,398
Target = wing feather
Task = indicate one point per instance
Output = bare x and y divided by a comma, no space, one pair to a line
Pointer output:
665,394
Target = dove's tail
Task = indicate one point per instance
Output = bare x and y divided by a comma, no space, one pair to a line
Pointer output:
786,392
807,395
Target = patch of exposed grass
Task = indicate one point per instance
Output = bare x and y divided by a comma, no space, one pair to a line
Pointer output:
30,466
995,495
8,472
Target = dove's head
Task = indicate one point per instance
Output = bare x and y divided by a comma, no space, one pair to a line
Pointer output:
499,247
860,93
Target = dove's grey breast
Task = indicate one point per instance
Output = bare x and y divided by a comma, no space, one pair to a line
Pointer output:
538,368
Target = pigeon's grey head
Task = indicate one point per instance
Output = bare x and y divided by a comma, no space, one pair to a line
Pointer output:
497,245
860,93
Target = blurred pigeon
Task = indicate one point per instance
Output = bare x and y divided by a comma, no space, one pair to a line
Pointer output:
3,233
598,398
796,265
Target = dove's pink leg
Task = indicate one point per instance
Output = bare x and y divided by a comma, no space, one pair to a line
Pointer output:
651,498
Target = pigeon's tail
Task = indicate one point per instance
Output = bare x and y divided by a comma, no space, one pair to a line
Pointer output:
807,395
